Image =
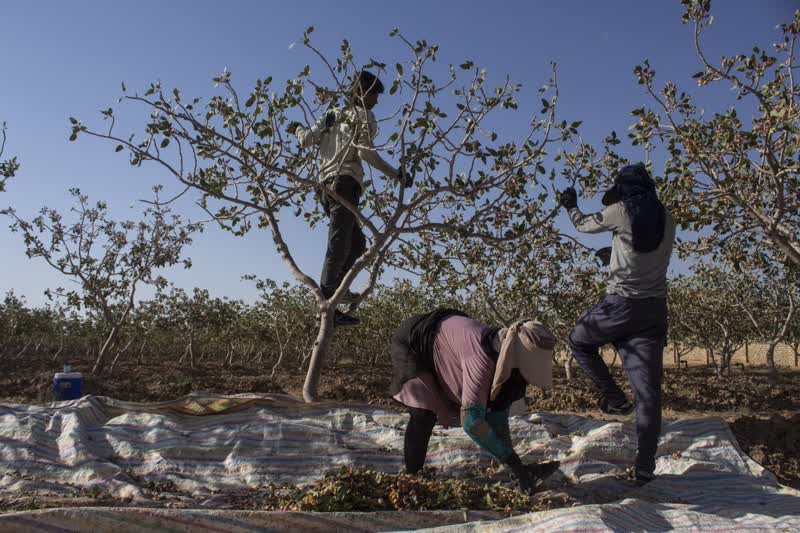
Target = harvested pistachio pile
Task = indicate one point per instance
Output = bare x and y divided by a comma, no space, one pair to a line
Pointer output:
351,489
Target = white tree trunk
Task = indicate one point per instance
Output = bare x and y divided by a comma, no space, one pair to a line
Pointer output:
772,374
321,345
100,363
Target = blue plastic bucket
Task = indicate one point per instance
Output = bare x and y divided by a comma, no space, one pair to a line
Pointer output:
67,386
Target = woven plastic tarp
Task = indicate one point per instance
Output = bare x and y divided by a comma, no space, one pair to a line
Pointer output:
203,444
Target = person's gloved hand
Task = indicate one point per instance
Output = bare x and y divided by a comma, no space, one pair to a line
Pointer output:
406,179
604,255
568,198
293,127
330,119
528,477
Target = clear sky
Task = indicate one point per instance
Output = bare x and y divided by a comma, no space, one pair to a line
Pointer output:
62,59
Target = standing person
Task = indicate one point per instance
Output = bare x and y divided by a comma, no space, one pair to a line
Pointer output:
633,314
447,365
345,138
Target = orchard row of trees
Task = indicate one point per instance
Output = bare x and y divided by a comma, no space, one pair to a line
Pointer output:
478,226
278,329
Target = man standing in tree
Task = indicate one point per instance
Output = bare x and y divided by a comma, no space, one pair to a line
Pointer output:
345,138
633,314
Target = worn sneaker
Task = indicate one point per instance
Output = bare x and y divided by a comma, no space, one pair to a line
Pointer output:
341,320
623,409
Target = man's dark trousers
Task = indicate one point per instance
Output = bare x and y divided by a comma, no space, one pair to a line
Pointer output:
637,328
346,241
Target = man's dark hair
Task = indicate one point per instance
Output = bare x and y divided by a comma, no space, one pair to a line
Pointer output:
366,82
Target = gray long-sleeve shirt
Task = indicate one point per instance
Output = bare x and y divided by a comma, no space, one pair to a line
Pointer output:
343,146
631,274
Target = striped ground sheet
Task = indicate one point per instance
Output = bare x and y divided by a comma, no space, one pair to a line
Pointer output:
202,444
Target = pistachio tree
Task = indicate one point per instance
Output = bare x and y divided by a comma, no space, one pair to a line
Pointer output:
109,261
471,183
284,316
765,292
709,316
15,325
186,317
731,173
793,338
8,167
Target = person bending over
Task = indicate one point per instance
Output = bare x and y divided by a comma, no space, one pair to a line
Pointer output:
448,366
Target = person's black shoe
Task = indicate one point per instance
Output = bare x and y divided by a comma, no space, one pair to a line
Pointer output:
341,320
642,477
529,478
623,409
544,470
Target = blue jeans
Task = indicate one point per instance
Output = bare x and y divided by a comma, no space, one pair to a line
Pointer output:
638,329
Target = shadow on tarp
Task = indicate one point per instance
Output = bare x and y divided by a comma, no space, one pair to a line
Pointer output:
138,520
731,496
697,500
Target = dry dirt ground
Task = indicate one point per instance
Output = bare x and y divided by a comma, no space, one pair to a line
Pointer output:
765,419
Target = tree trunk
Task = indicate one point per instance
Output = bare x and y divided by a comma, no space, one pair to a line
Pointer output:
321,346
100,363
796,351
711,360
183,356
61,348
725,358
281,351
24,349
772,374
568,367
141,352
114,362
747,352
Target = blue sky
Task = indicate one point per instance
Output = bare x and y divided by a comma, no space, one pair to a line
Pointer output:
63,59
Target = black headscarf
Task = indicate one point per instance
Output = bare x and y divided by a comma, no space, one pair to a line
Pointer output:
635,188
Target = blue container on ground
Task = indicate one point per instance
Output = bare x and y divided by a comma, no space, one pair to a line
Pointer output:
67,385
